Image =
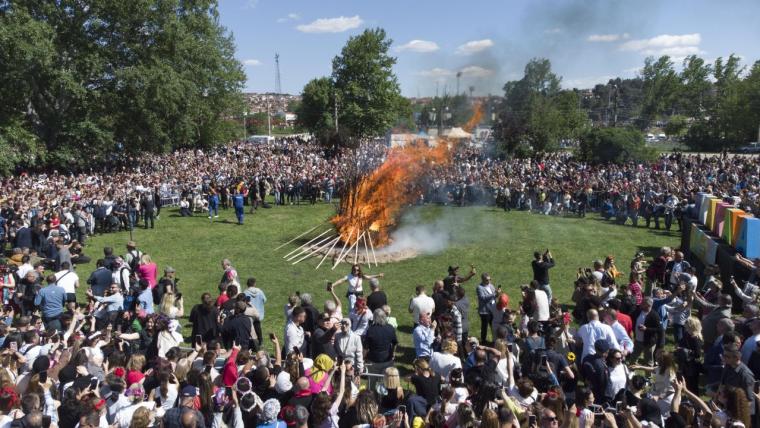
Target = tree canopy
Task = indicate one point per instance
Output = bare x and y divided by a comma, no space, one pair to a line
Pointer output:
364,88
82,80
537,112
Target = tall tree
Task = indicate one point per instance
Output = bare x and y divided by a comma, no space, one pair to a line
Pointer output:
536,112
86,79
694,98
369,98
661,86
316,110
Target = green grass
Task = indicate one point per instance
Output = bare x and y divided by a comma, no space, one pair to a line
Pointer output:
494,241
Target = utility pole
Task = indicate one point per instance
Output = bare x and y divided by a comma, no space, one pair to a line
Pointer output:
459,74
269,118
277,83
335,112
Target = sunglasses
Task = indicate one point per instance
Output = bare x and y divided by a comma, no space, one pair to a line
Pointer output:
549,419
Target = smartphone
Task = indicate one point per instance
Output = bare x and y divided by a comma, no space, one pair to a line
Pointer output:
13,346
94,383
198,339
296,350
43,376
271,336
329,285
402,409
619,405
531,420
511,348
228,391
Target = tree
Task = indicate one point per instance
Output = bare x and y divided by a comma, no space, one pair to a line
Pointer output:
661,85
369,97
316,110
536,112
618,145
86,79
676,126
694,97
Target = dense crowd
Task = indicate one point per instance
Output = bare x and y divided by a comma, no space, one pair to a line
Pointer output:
651,341
637,346
132,191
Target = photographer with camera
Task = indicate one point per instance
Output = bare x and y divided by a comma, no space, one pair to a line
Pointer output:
107,307
541,264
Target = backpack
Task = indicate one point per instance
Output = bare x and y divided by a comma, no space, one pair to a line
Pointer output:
135,261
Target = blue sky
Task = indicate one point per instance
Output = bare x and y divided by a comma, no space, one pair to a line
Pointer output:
587,41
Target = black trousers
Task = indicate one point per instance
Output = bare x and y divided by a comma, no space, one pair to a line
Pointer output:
485,323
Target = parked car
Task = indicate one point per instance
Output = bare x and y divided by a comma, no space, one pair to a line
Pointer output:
753,147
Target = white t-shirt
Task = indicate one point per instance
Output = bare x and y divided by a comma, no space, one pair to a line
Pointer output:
124,416
354,283
67,280
421,304
542,306
442,364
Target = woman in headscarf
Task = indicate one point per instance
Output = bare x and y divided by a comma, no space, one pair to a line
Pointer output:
268,417
320,375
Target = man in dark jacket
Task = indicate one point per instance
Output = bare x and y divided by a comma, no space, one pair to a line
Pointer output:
647,330
23,236
596,373
541,265
100,280
237,328
148,206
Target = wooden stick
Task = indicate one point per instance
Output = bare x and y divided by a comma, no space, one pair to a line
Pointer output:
304,245
340,259
344,246
328,253
356,252
310,247
315,251
366,250
373,248
293,240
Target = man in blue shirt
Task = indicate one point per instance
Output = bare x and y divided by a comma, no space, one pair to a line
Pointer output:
115,303
51,300
145,298
424,336
238,201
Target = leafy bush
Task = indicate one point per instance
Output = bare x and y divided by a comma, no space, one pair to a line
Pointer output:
617,145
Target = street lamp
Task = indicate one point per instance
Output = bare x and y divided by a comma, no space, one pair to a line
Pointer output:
245,124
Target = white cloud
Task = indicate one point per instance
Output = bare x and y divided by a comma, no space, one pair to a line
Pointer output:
423,46
331,25
250,4
290,17
474,46
476,71
553,30
666,44
607,37
435,73
251,62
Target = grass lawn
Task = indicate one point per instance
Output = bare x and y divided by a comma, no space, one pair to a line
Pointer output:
494,241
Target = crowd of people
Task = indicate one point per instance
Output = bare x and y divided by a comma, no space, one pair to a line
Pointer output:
130,192
636,347
640,347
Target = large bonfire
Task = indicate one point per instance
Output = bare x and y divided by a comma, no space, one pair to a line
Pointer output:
372,205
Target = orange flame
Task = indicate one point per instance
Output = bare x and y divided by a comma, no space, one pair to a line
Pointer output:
375,204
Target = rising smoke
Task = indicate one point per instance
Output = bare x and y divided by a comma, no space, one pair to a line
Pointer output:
428,236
